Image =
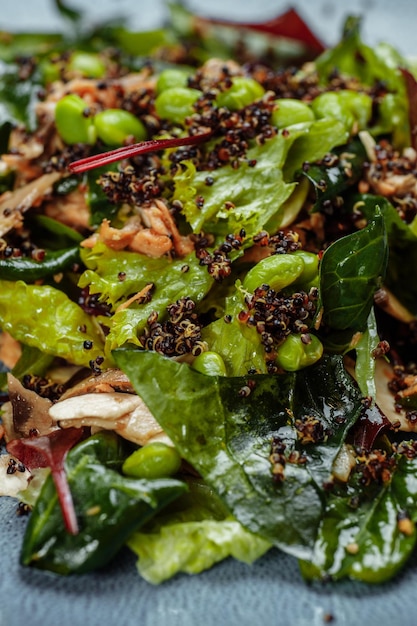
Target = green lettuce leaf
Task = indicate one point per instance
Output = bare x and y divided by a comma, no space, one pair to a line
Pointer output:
318,138
238,344
170,282
190,535
45,318
257,192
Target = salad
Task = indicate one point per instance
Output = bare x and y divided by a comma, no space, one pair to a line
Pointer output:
207,297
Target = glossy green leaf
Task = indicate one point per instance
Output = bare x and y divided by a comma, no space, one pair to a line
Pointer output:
402,240
352,269
227,435
338,175
360,535
109,508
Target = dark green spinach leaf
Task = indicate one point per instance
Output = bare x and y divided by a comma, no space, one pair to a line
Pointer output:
109,508
337,174
361,535
352,269
227,435
402,240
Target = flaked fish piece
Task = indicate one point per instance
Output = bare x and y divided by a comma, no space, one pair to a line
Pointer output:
152,232
13,204
110,380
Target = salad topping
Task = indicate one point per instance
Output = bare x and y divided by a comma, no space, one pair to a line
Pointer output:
207,298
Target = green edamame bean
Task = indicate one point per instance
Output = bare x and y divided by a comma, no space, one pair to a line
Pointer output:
294,354
311,266
172,77
87,64
210,363
73,122
176,103
154,460
113,126
277,271
243,92
290,111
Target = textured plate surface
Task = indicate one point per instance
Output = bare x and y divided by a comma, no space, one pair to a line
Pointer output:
231,594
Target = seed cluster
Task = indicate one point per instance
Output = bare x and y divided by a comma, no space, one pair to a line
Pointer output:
279,458
234,128
310,429
60,161
376,466
91,304
218,264
15,466
281,242
305,85
177,336
140,103
125,186
275,316
20,246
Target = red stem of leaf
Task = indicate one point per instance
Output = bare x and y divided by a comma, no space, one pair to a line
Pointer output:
50,451
126,152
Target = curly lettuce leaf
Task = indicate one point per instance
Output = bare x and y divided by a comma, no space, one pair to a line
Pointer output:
170,282
254,195
256,192
227,435
45,318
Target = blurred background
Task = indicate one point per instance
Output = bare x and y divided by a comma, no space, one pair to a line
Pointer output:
383,20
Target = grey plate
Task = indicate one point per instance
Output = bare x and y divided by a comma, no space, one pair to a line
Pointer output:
231,594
